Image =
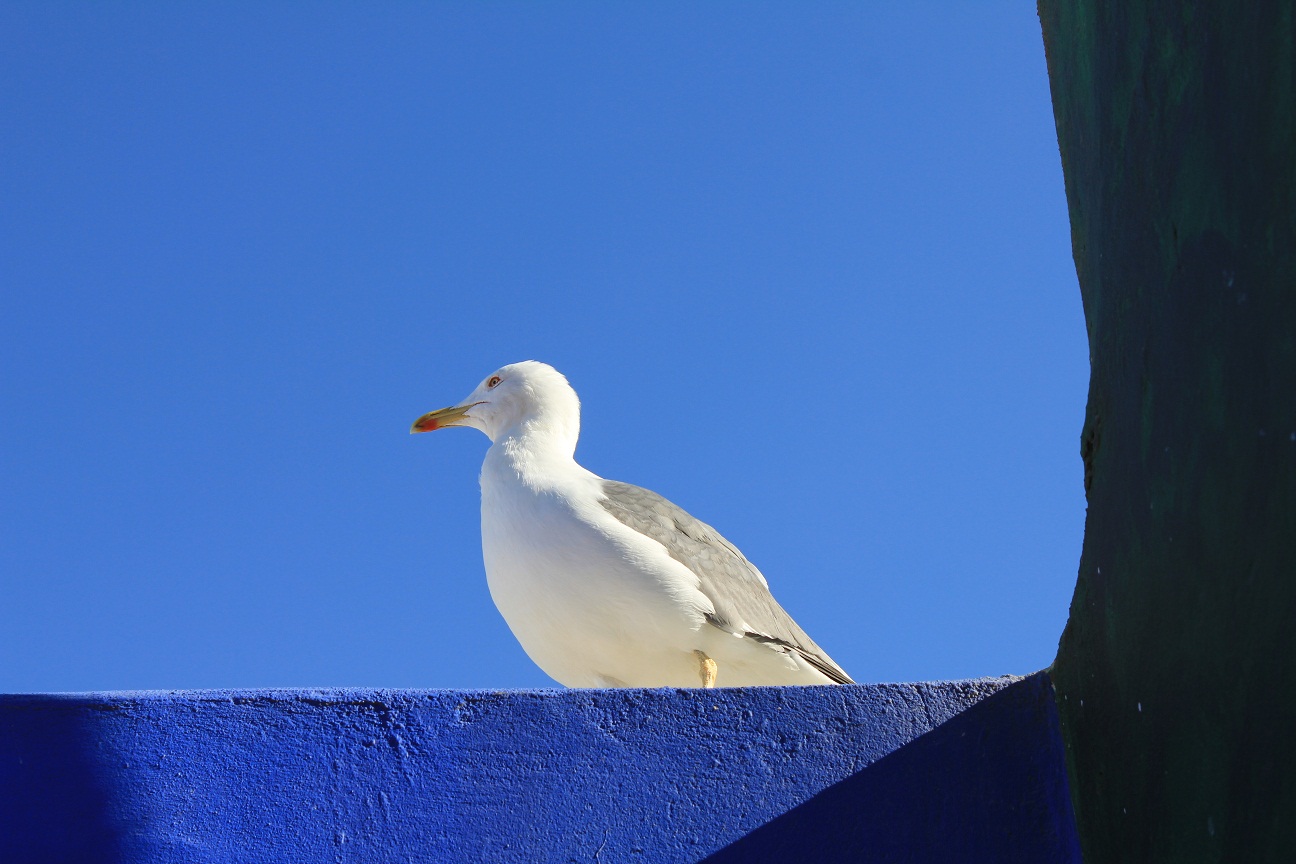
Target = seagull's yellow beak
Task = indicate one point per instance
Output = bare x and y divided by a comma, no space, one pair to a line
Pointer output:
434,420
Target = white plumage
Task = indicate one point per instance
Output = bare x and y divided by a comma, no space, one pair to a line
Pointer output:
605,584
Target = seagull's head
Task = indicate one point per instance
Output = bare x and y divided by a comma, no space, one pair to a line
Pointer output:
522,398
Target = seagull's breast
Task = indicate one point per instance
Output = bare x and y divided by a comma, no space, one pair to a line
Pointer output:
588,598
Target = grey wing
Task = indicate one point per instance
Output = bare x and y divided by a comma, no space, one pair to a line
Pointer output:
741,596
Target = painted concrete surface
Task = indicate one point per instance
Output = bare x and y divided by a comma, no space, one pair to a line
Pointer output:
970,771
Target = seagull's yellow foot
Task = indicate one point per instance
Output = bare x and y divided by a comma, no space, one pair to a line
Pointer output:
707,669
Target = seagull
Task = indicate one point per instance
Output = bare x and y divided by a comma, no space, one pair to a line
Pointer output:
606,584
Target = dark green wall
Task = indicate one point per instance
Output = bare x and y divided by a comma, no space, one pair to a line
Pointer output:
1176,674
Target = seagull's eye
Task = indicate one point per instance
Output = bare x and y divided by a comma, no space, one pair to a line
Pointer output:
494,379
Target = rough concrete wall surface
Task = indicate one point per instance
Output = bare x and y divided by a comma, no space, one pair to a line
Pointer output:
959,771
1177,670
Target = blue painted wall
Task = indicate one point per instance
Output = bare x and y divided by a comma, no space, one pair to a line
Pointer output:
966,771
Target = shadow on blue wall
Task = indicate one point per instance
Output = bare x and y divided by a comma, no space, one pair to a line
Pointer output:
970,790
56,805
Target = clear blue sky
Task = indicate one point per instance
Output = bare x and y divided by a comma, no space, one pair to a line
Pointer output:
808,267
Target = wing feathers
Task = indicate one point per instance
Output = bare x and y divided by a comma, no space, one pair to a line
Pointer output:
738,591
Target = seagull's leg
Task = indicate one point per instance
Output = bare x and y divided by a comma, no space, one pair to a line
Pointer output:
707,669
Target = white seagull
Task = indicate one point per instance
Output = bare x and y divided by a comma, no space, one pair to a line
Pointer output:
606,584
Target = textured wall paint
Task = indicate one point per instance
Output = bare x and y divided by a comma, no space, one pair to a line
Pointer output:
969,771
1177,670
